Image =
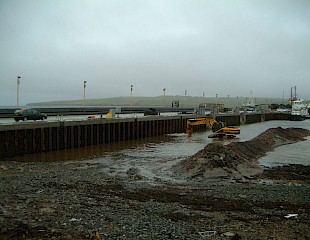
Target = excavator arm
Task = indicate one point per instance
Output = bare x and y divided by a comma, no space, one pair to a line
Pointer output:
218,128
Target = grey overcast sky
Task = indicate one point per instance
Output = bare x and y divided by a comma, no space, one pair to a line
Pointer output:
224,47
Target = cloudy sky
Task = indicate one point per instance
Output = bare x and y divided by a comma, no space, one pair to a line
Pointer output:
224,47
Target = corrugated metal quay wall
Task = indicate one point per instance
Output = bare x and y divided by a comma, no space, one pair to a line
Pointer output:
249,118
40,136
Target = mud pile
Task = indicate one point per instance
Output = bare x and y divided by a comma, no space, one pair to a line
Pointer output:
237,160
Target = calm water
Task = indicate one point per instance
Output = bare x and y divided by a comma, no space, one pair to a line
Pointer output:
176,146
297,153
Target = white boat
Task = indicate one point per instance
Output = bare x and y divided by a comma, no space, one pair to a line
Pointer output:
299,110
308,109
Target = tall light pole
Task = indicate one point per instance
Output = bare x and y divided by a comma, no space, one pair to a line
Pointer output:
131,88
84,93
203,98
185,92
17,92
164,90
216,103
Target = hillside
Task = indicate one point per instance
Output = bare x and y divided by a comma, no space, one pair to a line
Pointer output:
189,101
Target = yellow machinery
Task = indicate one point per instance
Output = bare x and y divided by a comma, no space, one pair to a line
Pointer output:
110,114
218,128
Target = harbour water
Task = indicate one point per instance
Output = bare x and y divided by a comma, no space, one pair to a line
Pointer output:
179,146
297,153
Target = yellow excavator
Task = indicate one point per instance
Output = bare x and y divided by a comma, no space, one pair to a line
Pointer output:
218,128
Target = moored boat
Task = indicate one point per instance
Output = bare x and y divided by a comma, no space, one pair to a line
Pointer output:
299,110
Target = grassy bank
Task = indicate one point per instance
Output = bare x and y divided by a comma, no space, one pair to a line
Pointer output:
187,101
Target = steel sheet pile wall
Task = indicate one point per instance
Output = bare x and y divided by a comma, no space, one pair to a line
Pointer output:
254,118
261,117
36,137
40,136
229,120
277,116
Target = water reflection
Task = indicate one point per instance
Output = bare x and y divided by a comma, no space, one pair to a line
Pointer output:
90,152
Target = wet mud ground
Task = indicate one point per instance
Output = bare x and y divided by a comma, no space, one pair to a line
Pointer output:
81,200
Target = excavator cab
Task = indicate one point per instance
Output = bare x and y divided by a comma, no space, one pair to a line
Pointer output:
217,126
219,131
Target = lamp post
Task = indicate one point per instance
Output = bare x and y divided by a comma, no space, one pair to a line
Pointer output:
185,92
17,91
164,90
216,103
203,98
84,93
131,88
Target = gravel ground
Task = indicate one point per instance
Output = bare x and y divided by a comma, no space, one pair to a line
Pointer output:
79,200
114,200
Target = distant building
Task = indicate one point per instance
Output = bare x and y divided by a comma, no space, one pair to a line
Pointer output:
214,105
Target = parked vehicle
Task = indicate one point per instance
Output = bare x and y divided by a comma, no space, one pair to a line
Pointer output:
28,114
151,111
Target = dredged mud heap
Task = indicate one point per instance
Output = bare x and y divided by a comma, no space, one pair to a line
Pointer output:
237,159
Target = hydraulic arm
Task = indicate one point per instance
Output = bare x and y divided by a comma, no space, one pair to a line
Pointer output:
218,128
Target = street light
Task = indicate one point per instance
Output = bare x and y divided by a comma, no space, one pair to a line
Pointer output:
216,103
131,88
164,90
203,98
185,96
18,82
84,93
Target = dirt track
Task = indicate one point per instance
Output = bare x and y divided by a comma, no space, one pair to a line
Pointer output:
81,200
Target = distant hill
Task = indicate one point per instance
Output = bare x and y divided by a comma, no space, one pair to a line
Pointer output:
187,101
